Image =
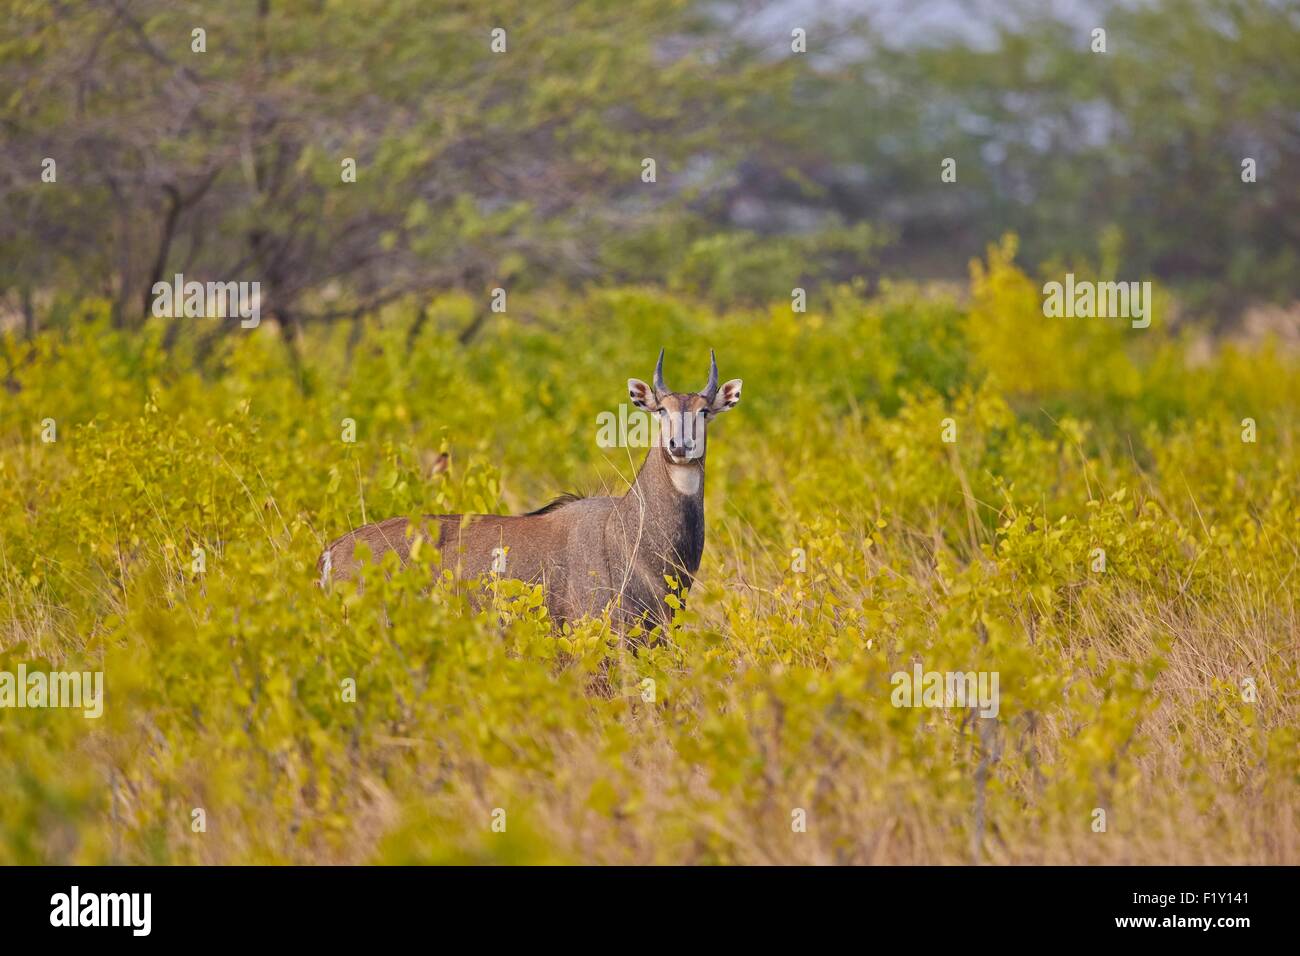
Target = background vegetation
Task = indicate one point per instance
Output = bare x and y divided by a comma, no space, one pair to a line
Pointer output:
775,169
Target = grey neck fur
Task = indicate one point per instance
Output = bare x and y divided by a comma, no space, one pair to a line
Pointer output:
671,522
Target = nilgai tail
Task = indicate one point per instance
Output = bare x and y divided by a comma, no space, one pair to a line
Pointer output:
587,553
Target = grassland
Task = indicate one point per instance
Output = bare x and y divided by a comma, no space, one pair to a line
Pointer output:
1163,690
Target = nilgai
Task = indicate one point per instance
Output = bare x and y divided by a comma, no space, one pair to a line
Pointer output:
587,553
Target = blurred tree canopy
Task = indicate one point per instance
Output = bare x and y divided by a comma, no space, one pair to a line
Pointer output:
1071,148
774,168
475,166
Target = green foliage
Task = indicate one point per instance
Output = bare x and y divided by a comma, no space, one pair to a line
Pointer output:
1064,145
226,688
738,266
475,164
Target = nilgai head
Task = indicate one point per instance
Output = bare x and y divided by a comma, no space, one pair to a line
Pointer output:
684,416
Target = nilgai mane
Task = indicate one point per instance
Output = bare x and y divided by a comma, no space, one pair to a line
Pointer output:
588,553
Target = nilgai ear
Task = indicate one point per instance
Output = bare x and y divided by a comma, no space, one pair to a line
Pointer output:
643,396
727,398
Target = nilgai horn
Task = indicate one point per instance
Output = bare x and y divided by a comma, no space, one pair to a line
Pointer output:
588,553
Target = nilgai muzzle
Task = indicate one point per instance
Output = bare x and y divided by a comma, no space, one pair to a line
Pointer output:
588,553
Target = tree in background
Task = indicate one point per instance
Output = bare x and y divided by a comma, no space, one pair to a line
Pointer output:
478,167
1067,146
481,158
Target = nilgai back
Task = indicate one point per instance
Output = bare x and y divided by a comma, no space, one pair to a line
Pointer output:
594,552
